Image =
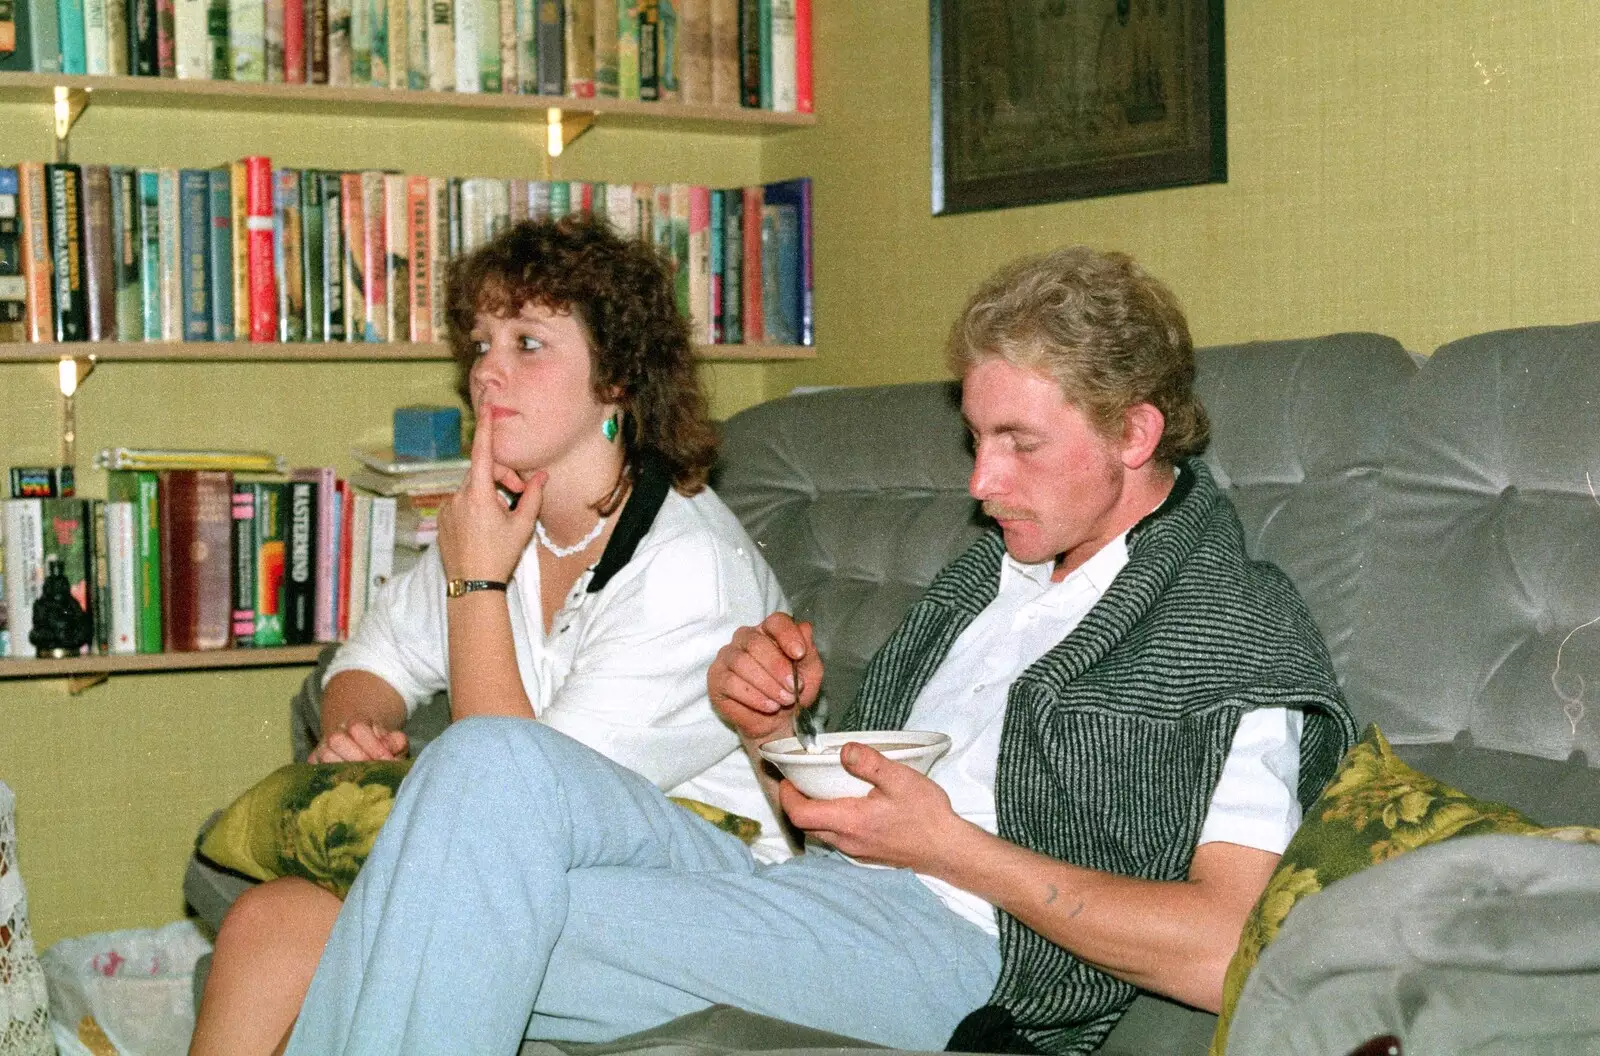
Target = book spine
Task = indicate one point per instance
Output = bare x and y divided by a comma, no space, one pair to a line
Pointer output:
128,247
322,556
44,36
510,82
122,578
357,554
96,49
750,32
219,185
191,39
294,41
527,50
396,49
560,199
694,52
166,38
803,101
644,206
333,291
438,252
488,45
343,558
340,71
14,55
418,15
578,47
244,564
13,286
141,490
38,272
239,218
169,208
780,273
781,31
680,204
361,42
628,49
272,42
649,50
259,228
286,255
355,253
270,534
143,58
99,256
549,44
466,74
419,238
442,43
312,231
380,547
396,258
25,569
196,510
194,196
606,84
150,254
733,266
764,24
69,20
247,39
66,531
99,576
117,55
374,261
66,251
318,20
716,257
750,283
218,61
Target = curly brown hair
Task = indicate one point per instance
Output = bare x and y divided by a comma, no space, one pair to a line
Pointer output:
621,292
1111,334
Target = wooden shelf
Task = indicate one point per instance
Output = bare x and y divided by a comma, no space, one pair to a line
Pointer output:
320,98
311,352
78,666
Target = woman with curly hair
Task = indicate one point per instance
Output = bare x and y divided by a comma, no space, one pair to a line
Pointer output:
584,575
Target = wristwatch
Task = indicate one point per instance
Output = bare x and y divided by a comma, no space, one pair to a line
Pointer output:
457,587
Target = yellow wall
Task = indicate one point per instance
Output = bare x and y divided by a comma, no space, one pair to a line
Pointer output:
1423,170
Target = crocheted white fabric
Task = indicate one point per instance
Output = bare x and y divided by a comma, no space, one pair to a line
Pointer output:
24,1002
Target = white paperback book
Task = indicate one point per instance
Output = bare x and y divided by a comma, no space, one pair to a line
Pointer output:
191,44
122,568
24,535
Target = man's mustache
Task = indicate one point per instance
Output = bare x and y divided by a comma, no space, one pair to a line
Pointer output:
1003,513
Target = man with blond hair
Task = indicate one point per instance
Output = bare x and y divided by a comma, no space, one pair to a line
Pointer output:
1138,713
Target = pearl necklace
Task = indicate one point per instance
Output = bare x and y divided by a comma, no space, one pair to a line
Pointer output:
577,547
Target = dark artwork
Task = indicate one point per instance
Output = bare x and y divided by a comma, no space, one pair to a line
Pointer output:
60,625
1045,100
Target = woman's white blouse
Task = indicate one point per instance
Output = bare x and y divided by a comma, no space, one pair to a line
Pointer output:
623,669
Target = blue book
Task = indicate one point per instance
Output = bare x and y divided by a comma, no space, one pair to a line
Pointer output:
150,262
716,267
797,193
221,214
194,247
69,23
780,274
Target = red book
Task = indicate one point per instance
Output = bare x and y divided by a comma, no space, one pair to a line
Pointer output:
347,518
754,331
355,257
802,56
258,228
196,511
294,41
419,235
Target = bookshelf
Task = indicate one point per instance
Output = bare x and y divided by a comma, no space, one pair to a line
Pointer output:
317,352
94,669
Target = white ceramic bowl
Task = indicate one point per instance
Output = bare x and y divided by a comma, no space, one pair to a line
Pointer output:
820,775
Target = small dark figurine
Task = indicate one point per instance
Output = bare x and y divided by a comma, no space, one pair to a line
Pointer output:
61,627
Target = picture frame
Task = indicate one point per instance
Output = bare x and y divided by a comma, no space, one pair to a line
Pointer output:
1050,100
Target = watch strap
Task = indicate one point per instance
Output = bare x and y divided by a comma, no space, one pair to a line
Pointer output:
457,587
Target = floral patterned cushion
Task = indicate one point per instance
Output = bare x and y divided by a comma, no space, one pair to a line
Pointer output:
318,821
1376,807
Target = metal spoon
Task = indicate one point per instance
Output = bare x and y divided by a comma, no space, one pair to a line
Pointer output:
807,721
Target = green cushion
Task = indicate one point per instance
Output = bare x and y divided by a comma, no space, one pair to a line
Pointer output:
1376,807
318,821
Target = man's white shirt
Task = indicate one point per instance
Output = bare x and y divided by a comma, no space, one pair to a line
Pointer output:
1254,804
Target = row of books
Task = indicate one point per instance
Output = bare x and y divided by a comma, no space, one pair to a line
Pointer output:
187,560
753,53
245,251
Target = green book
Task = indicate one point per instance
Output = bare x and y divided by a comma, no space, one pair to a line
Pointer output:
67,539
311,255
128,249
628,49
141,487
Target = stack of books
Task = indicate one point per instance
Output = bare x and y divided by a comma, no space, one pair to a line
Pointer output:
249,252
200,550
417,487
749,53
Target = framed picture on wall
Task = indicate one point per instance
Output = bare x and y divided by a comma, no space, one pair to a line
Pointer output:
1047,100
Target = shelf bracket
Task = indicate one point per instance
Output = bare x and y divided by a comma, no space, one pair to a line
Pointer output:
79,683
70,372
563,129
69,106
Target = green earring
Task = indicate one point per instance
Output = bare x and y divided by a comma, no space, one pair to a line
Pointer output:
609,428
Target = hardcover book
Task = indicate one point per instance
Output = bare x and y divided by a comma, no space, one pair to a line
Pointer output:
149,181
271,532
357,554
318,15
294,41
44,36
99,255
300,563
24,569
122,578
780,274
38,272
96,50
509,80
169,210
649,50
141,489
781,32
333,277
355,256
397,257
324,557
802,57
196,559
13,286
219,184
64,182
466,76
606,83
343,547
239,220
69,24
797,195
361,14
375,262
579,48
272,42
340,71
244,563
698,277
750,282
442,42
414,60
128,250
732,299
218,59
488,38
247,39
143,57
527,54
628,49
287,255
259,230
116,37
312,232
194,247
750,53
438,252
550,46
16,47
694,52
166,38
418,234
99,576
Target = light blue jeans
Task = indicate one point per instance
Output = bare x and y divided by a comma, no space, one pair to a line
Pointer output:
526,885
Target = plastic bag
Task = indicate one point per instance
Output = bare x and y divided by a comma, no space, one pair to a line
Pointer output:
24,1011
124,992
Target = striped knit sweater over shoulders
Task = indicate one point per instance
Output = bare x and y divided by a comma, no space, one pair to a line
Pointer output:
1114,740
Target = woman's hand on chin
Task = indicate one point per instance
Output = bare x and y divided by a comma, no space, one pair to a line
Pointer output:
479,537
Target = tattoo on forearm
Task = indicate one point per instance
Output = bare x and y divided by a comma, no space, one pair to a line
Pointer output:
1054,893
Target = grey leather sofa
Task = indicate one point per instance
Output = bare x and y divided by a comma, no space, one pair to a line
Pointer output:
1435,514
